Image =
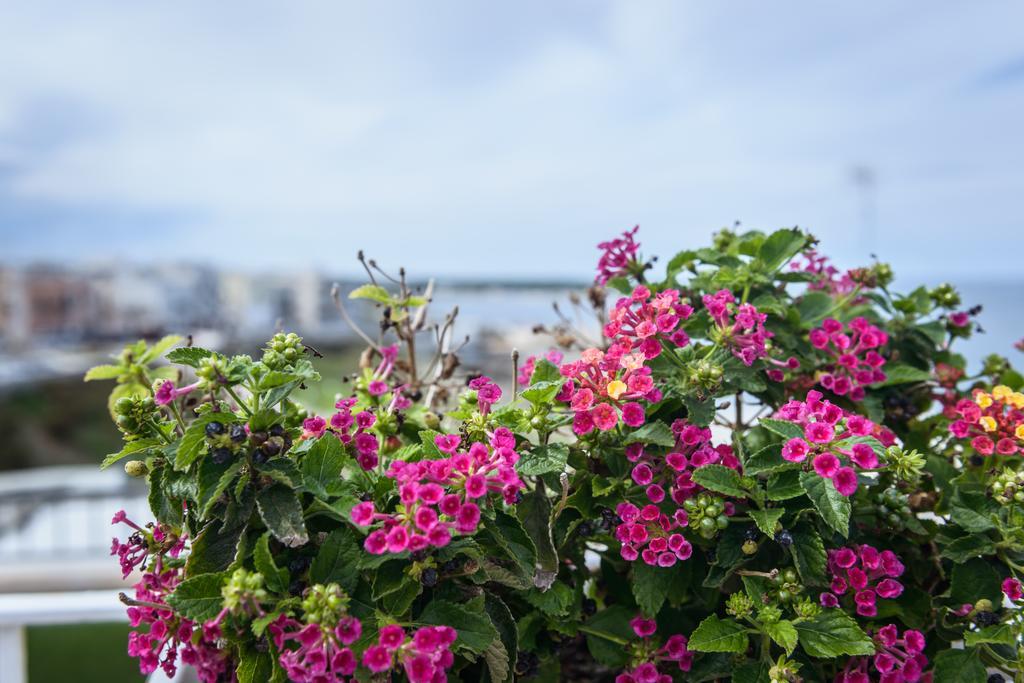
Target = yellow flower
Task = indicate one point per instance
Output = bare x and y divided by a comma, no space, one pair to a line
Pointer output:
616,388
1001,392
983,399
1017,400
1019,432
988,423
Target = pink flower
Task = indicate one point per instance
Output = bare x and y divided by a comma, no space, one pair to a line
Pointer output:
795,450
363,513
819,432
447,443
618,256
643,627
313,427
826,465
377,659
604,417
845,481
1013,590
391,636
633,414
853,362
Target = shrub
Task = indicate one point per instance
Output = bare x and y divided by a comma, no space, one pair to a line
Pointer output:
767,470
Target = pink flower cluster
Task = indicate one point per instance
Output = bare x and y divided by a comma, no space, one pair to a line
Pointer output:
169,635
825,426
487,393
897,660
1013,589
605,384
740,327
650,656
866,572
644,321
438,496
652,535
324,653
530,364
617,256
993,421
351,430
825,276
137,549
378,386
674,471
854,362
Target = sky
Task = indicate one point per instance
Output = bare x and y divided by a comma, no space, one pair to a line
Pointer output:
505,139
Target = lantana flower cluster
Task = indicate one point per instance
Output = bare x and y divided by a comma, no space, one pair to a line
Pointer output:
644,321
994,421
855,363
618,256
606,385
351,430
440,498
652,535
866,573
825,277
168,636
826,441
648,656
898,659
738,327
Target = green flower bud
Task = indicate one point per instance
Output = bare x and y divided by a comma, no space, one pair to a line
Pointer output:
136,468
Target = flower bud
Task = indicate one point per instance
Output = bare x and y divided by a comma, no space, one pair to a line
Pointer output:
136,468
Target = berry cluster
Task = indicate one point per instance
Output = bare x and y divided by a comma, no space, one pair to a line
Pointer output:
226,442
866,572
647,656
827,440
993,421
645,321
708,514
437,496
1008,487
134,415
854,362
737,327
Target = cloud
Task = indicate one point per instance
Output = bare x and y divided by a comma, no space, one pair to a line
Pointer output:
493,139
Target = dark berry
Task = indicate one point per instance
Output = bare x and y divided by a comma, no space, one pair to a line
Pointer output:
258,456
238,433
299,564
589,607
585,529
258,438
277,430
996,678
418,556
518,498
784,538
450,566
750,534
272,446
986,618
221,455
429,577
214,429
977,460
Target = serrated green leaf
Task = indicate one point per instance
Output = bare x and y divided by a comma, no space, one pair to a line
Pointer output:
193,442
900,373
833,634
275,579
542,393
784,428
336,562
959,666
975,580
766,519
545,371
780,246
280,510
137,447
544,460
254,667
213,480
373,293
721,479
657,433
101,372
809,556
198,598
784,485
833,506
784,634
321,466
189,355
650,586
1000,634
718,635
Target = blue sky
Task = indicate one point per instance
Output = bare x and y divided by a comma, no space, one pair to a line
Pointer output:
466,138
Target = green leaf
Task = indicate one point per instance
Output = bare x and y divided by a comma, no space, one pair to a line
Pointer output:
785,429
542,393
780,247
784,485
501,618
474,628
498,665
650,586
1000,634
281,512
214,480
700,413
718,635
544,459
809,556
813,307
784,634
959,666
137,447
372,292
768,459
198,598
103,372
606,631
321,466
337,560
900,373
158,348
510,535
968,547
766,519
213,550
973,511
832,634
721,479
554,602
975,580
833,506
275,579
254,667
535,513
188,355
657,433
752,672
545,371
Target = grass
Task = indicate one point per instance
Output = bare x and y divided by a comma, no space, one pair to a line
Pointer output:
84,653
